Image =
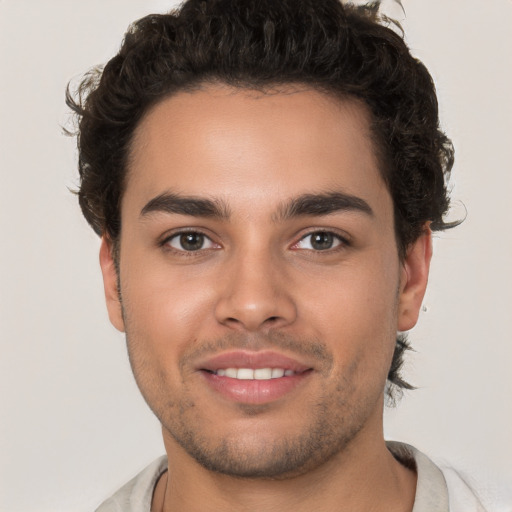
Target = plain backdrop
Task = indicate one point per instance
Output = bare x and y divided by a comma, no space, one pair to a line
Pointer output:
73,427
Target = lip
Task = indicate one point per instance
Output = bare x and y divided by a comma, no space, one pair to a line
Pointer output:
247,359
253,391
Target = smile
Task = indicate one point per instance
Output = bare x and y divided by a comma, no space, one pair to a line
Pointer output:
254,374
253,377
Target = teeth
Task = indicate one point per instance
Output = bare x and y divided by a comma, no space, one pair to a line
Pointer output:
231,372
257,374
245,374
262,374
277,373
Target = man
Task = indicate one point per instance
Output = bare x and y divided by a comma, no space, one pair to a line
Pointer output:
265,177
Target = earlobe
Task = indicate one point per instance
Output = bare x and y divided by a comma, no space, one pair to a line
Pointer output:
108,269
414,278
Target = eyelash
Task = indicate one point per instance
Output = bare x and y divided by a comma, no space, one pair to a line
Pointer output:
340,242
166,242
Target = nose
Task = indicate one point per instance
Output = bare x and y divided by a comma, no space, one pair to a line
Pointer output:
254,295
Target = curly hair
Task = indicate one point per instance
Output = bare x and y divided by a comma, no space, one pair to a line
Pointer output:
342,50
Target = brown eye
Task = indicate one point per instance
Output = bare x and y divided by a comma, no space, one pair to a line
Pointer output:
190,241
322,241
319,241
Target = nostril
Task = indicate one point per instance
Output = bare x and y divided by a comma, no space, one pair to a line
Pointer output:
254,312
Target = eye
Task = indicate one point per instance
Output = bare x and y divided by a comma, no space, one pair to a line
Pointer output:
190,241
319,241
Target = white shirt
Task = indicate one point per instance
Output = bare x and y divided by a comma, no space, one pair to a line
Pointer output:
437,490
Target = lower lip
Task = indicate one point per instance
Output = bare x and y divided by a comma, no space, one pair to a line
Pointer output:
255,391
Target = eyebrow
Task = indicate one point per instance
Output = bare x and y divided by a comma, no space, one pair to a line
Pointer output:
322,204
303,205
186,205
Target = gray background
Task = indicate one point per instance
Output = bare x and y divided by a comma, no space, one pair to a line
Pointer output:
73,427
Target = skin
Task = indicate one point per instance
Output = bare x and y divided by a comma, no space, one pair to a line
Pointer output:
258,284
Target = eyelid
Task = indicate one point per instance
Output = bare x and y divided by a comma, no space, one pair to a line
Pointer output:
343,239
168,236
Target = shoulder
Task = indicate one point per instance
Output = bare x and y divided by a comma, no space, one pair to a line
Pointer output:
463,494
135,496
441,487
466,493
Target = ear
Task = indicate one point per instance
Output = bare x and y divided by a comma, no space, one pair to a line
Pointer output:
108,269
414,278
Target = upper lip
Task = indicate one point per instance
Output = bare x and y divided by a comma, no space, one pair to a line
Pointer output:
254,360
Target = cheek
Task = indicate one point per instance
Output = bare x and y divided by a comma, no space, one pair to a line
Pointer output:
161,325
354,293
165,312
355,311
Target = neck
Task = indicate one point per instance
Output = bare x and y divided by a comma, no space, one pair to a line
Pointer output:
364,477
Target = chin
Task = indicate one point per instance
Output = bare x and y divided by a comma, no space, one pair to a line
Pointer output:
266,452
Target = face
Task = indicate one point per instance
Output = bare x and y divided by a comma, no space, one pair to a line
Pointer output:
261,288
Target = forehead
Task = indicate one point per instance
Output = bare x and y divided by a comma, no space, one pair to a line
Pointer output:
251,147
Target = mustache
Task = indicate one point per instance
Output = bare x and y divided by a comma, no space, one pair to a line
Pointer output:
312,350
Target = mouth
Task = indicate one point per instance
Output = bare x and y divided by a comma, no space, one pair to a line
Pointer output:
253,373
254,377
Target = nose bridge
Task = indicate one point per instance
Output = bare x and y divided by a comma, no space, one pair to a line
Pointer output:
255,293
